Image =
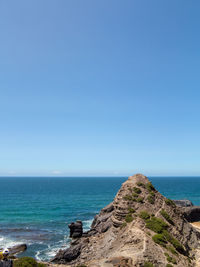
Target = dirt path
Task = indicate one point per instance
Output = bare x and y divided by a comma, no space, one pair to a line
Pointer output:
163,204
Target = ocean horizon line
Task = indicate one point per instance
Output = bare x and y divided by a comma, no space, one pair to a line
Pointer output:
96,176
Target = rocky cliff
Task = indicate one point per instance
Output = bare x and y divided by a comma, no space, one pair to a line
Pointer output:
139,228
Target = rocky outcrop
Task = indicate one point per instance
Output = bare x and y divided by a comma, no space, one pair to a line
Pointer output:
139,227
76,229
17,249
183,203
191,212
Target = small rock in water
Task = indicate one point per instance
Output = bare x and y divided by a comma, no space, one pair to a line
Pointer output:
76,229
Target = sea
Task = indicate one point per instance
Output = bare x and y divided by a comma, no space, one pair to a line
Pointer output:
37,210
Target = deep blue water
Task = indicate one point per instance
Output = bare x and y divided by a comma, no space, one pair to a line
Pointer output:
37,210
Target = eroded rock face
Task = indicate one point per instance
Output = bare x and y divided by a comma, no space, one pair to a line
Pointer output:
76,229
192,214
183,203
139,226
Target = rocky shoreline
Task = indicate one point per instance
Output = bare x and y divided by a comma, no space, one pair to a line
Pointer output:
138,228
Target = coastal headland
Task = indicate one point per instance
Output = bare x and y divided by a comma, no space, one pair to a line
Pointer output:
139,228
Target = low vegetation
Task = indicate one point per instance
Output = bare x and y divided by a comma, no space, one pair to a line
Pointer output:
151,199
174,242
170,259
160,227
144,215
137,190
27,262
148,264
169,202
150,187
157,225
160,239
128,197
129,218
140,184
152,194
166,216
131,210
124,224
140,199
172,250
135,195
169,265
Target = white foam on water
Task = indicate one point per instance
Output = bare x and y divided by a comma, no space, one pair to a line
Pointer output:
7,242
87,224
48,253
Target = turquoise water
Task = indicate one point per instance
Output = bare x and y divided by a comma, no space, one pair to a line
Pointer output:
36,211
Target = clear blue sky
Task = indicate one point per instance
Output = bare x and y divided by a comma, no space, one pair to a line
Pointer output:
99,87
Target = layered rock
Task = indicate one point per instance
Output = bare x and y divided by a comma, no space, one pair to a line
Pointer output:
76,229
191,212
183,203
139,227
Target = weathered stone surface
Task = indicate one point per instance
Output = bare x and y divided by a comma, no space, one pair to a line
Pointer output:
76,229
183,203
120,237
192,214
17,249
68,255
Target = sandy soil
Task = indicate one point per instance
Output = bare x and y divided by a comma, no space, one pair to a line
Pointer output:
196,225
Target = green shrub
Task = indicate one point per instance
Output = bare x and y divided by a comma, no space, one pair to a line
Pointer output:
157,225
135,195
167,217
159,239
144,215
169,202
27,262
131,210
175,243
82,265
128,218
152,194
151,199
150,187
170,259
172,250
169,265
124,224
137,190
148,264
140,199
127,197
140,184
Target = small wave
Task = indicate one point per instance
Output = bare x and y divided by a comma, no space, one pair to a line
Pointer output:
8,242
50,251
87,224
